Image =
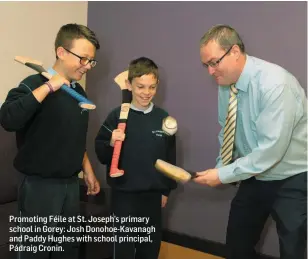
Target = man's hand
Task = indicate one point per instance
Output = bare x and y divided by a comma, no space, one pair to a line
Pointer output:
164,200
208,177
92,183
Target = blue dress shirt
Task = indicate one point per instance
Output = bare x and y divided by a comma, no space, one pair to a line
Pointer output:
271,127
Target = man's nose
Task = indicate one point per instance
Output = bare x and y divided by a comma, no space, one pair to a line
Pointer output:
211,70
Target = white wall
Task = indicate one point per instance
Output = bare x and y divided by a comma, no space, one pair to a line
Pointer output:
29,29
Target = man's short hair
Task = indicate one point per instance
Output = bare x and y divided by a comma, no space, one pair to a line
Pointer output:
224,35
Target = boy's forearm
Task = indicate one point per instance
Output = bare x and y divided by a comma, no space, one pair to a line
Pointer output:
86,165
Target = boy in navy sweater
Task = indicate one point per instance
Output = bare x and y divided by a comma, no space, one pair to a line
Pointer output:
51,131
141,192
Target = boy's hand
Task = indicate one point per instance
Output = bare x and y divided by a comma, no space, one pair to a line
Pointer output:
57,81
117,134
164,200
92,184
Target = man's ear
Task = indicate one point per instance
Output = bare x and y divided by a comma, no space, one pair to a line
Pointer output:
128,85
236,51
61,53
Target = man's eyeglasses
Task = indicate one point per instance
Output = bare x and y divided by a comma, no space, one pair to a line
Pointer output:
84,60
214,64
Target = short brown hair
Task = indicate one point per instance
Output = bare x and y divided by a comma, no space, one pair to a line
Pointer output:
73,31
224,35
142,66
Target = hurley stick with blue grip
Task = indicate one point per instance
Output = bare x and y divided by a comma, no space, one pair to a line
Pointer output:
38,66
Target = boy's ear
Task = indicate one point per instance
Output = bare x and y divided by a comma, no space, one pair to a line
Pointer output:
61,53
128,85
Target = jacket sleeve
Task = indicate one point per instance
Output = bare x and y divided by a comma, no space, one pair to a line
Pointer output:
103,149
19,107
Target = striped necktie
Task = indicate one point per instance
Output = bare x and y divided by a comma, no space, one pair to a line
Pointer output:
229,131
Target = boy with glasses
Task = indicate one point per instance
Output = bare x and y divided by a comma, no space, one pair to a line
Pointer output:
51,134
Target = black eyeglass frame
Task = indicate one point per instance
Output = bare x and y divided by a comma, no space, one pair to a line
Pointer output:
216,63
84,60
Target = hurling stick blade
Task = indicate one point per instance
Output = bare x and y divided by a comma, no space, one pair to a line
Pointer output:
176,173
24,60
121,78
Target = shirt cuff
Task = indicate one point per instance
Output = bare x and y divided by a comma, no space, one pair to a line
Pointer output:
219,164
226,174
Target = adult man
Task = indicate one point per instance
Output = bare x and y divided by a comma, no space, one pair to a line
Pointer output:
263,115
51,138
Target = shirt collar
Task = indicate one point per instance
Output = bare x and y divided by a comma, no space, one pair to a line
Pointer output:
243,81
148,110
54,72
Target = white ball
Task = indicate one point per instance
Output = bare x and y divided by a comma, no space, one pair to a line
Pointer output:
170,125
